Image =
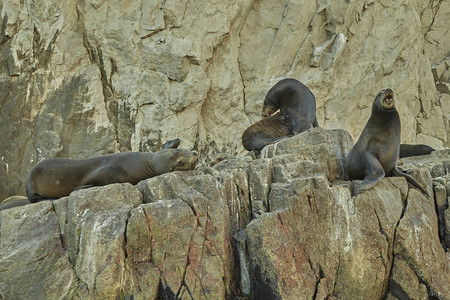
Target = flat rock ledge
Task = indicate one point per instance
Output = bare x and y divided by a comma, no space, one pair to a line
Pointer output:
283,226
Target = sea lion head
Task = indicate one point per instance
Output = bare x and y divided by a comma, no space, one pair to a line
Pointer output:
268,110
181,159
220,157
384,101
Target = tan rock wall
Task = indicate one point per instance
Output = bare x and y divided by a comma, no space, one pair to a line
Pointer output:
91,77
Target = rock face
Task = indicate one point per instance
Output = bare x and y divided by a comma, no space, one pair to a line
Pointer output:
283,226
83,78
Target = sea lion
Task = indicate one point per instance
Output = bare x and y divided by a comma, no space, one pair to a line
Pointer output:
376,152
407,150
58,177
13,201
219,158
266,131
297,113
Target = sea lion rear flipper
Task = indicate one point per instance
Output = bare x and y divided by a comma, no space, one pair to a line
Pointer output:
407,150
373,169
172,144
397,172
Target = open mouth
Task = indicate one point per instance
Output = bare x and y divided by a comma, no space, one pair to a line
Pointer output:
388,99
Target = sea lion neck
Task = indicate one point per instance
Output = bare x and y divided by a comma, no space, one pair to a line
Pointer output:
156,164
384,118
383,112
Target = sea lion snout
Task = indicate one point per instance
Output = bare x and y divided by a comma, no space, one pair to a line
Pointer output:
267,111
385,100
193,163
388,94
388,100
385,92
194,159
185,160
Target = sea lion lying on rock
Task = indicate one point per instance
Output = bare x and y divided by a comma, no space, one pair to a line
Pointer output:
58,177
297,113
376,152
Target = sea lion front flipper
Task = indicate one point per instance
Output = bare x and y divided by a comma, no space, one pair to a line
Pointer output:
315,124
84,186
259,142
397,172
373,170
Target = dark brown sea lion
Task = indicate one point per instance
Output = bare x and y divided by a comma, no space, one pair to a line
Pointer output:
297,113
266,131
58,177
407,150
376,152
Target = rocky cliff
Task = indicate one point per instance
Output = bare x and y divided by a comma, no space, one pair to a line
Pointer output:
82,78
283,226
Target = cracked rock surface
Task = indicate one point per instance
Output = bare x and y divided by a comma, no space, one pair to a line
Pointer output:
84,78
284,226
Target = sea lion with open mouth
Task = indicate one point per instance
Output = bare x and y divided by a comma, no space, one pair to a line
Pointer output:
376,152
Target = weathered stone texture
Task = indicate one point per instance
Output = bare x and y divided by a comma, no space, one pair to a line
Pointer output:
279,227
85,78
32,255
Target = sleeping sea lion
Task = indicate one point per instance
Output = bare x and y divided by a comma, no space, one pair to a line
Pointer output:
58,177
376,152
297,113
